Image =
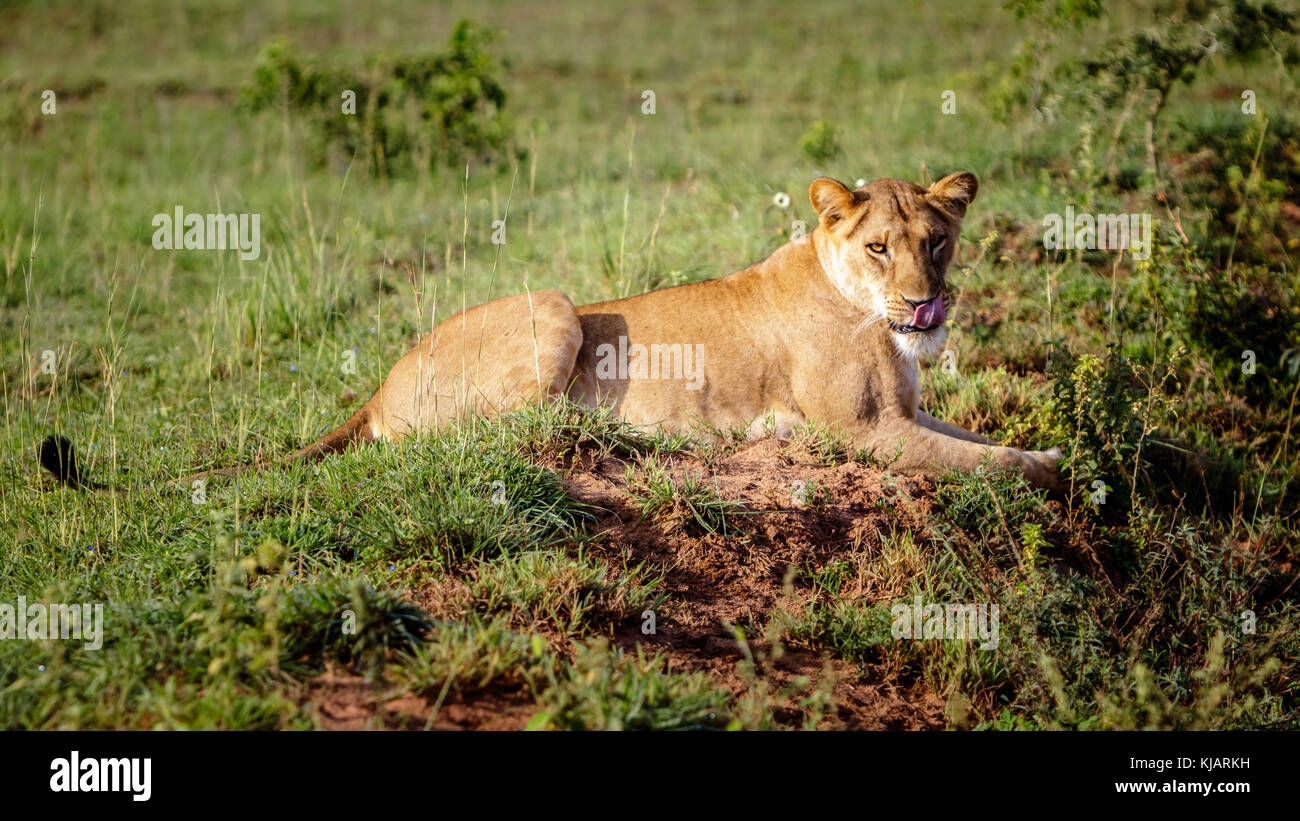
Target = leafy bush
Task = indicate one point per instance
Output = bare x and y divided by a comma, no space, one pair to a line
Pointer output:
1240,172
820,143
1135,73
1105,412
410,113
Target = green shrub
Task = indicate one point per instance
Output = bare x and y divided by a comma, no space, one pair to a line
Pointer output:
820,143
1105,413
410,113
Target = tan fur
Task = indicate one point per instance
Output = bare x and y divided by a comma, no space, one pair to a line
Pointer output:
802,335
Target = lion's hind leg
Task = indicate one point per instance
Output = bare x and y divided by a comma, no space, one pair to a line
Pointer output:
486,360
528,358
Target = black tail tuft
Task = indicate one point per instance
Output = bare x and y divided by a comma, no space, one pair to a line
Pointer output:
58,457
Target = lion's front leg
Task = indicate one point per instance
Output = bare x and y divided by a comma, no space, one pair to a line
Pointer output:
913,447
939,426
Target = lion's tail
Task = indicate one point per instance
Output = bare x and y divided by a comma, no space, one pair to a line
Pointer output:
59,458
356,430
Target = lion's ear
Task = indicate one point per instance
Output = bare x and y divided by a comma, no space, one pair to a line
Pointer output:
954,192
831,199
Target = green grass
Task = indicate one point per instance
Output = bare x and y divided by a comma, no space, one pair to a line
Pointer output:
608,689
690,504
223,611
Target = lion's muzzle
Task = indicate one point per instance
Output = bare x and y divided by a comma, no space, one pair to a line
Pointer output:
927,316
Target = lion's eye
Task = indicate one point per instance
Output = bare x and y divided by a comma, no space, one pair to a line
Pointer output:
936,245
876,247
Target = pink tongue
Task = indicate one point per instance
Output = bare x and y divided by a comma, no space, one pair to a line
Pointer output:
931,313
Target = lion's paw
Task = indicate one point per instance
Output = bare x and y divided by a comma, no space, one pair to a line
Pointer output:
1041,467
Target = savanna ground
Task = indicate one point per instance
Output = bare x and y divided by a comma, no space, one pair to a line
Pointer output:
499,575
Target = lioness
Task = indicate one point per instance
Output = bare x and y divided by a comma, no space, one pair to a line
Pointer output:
827,328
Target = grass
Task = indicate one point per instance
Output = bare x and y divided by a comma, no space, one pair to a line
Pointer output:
688,504
455,564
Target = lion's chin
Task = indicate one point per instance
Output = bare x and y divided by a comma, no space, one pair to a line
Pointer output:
921,344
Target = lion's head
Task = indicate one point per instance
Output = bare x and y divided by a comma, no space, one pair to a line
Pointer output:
886,247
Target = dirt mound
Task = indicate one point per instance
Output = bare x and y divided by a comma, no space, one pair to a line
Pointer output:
343,701
799,513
